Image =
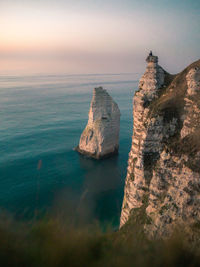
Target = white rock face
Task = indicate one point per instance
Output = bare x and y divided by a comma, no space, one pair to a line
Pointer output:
193,81
163,174
142,140
191,109
153,77
101,135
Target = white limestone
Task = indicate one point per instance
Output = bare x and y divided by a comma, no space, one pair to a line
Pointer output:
101,135
192,110
163,178
193,81
153,77
150,82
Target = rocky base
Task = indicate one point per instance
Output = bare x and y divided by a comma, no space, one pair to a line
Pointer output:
96,156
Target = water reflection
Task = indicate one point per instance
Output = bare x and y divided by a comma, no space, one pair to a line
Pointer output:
101,189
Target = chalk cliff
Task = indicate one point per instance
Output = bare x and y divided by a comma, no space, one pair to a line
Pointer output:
101,135
163,175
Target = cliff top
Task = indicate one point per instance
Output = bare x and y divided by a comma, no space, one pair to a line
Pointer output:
152,58
171,103
162,184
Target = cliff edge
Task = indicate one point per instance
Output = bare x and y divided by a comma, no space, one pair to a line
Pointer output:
163,175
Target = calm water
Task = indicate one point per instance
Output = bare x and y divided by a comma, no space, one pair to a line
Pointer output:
42,117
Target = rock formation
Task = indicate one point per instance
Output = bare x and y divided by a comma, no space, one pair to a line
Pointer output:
163,174
101,135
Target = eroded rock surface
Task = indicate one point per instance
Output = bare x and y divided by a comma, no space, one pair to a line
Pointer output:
163,174
101,135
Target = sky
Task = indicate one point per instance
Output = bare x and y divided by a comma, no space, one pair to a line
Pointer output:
97,36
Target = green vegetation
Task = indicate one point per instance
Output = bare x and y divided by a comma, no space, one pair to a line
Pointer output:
53,242
171,97
132,176
150,160
170,104
164,208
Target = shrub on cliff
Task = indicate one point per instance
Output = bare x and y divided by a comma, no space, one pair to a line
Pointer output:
53,242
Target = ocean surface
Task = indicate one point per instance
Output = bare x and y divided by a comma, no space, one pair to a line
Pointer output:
41,120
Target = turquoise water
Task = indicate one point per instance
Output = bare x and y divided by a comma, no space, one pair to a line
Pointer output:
42,117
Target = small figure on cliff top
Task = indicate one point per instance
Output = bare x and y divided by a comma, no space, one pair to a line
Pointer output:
152,58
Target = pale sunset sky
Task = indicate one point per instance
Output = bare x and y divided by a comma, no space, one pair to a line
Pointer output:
97,36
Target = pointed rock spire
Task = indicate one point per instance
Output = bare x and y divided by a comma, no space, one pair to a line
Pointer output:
101,135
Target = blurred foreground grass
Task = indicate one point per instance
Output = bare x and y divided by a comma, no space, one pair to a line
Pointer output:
55,242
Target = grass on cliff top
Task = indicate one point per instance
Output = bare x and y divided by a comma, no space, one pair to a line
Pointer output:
171,97
54,242
170,104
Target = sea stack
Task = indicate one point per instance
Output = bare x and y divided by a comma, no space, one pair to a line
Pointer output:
162,188
100,137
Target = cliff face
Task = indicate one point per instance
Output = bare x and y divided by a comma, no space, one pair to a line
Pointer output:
163,174
101,135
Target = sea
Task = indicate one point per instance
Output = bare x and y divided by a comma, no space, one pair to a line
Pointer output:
41,119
